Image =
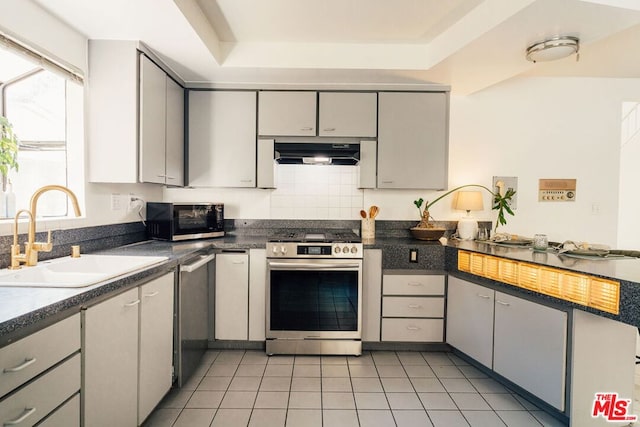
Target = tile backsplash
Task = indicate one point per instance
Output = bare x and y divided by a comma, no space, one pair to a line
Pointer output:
317,192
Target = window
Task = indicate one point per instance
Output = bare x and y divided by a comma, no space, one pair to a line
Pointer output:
39,101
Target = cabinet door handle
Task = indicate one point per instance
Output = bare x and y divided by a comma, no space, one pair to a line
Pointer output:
306,128
415,284
27,412
170,177
161,176
483,296
132,303
387,182
21,366
413,328
506,304
414,306
152,294
246,180
238,262
329,129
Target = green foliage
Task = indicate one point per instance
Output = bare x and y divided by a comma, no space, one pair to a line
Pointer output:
8,147
500,202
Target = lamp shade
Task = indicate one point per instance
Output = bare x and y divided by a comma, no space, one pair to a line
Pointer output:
469,201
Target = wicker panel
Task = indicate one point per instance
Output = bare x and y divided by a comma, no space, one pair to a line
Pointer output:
604,295
575,287
492,267
477,264
529,276
464,261
508,271
550,282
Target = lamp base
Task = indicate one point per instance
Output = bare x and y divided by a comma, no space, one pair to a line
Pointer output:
467,228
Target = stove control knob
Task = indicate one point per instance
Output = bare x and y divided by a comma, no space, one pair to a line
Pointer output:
354,249
283,250
345,250
337,249
275,250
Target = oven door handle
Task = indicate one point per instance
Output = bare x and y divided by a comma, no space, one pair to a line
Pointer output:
310,266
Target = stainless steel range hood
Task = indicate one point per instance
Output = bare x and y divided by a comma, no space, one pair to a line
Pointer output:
317,151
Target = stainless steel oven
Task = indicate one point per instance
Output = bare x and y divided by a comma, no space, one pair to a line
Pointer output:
314,289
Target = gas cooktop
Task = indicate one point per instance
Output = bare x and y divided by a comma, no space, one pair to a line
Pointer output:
334,236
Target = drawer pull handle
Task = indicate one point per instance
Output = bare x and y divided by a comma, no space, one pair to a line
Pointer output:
152,294
329,129
413,328
506,304
414,306
20,367
26,414
415,284
132,303
307,128
484,296
238,262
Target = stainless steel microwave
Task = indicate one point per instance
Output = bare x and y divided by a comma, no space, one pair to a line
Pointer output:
184,221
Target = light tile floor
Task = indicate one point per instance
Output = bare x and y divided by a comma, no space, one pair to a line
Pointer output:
380,388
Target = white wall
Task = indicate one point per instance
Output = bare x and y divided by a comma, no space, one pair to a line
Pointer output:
527,127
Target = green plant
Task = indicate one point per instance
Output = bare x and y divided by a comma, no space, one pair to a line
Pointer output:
8,147
500,203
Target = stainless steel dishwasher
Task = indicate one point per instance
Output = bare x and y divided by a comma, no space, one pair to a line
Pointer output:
192,314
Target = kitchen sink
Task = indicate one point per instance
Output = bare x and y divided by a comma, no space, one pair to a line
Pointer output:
76,272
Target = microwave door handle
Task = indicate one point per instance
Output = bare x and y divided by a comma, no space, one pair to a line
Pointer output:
311,266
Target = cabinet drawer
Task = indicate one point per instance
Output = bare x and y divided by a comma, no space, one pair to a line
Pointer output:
68,415
413,284
423,330
413,307
31,355
42,396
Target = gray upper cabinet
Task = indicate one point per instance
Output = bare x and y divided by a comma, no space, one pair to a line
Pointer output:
174,161
347,114
136,117
161,126
153,112
291,113
413,140
222,138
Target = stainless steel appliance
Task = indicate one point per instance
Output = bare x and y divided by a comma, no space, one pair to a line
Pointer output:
184,221
192,314
314,288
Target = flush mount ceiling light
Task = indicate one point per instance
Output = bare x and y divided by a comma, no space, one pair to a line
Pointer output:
554,48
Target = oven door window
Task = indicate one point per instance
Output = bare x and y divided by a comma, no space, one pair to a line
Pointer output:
314,300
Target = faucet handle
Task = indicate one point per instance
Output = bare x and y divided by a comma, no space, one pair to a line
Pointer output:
44,246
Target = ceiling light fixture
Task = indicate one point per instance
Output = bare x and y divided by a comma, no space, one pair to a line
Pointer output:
557,47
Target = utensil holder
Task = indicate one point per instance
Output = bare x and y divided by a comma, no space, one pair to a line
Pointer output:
368,229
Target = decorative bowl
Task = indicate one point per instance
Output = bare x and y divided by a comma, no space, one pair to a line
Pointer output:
422,233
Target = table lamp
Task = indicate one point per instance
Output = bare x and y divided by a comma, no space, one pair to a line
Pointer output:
468,201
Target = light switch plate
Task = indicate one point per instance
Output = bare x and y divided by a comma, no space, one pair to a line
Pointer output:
509,182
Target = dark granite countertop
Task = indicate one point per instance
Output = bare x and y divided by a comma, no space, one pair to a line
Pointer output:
26,310
624,269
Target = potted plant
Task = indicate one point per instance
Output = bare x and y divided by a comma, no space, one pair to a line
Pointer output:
8,149
425,230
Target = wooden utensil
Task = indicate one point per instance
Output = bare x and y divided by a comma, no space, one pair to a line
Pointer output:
373,211
363,214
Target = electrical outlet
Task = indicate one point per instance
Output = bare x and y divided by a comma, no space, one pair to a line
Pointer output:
413,255
116,202
507,182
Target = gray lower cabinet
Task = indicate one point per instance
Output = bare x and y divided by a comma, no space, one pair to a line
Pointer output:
371,294
120,334
412,306
413,140
521,340
232,296
39,373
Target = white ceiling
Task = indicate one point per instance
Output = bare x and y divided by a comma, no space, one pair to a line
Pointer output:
467,44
